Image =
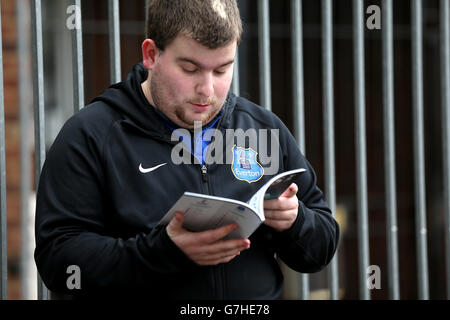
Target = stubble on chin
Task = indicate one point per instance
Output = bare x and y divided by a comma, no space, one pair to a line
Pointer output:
182,116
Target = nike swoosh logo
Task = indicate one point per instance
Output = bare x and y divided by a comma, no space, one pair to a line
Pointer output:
150,169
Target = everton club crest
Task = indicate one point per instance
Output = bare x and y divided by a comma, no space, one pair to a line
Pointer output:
244,166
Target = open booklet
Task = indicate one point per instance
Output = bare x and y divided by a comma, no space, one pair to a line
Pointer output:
204,212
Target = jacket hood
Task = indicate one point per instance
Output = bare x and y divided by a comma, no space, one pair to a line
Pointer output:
128,99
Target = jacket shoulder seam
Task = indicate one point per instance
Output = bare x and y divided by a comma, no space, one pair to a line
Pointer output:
240,109
108,133
116,117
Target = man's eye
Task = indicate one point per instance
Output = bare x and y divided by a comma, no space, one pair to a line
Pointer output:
220,71
189,70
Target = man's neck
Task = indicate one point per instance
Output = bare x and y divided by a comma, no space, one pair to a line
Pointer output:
146,90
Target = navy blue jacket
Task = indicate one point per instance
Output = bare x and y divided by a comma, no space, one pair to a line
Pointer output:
96,210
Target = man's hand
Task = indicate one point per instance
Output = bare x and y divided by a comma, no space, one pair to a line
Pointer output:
281,213
206,247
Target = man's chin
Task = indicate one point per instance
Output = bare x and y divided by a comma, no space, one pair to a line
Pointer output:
198,119
197,123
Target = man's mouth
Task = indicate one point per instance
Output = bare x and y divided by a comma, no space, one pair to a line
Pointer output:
201,107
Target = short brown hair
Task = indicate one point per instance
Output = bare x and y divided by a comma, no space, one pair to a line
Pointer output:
213,23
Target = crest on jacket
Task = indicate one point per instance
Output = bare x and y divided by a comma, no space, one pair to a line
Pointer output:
244,166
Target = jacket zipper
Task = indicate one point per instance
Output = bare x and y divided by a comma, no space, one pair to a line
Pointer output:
205,178
217,270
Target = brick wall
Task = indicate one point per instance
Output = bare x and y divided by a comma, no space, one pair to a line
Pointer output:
12,138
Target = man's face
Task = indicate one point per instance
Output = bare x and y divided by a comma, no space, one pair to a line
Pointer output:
190,82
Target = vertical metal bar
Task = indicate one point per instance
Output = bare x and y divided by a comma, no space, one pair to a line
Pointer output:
4,244
419,162
27,265
297,73
389,149
328,118
360,144
235,86
445,92
114,41
38,93
147,5
77,59
264,54
298,99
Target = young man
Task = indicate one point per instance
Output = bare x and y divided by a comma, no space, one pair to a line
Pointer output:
112,174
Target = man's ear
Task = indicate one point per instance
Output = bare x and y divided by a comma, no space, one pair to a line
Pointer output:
150,53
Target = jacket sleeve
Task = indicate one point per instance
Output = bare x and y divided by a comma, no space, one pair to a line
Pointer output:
310,244
71,228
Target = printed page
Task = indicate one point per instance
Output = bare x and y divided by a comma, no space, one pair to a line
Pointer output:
256,201
203,212
273,189
281,183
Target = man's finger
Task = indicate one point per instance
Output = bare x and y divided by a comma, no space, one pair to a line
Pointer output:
278,225
223,254
276,215
227,245
175,224
213,262
210,236
280,204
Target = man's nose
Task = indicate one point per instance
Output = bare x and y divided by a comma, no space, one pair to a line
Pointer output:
205,87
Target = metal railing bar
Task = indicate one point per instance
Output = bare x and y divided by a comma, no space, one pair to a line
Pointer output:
77,60
445,93
418,144
114,41
39,114
389,150
264,54
360,144
328,119
298,101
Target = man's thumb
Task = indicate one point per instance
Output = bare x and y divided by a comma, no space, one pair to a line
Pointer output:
176,223
291,191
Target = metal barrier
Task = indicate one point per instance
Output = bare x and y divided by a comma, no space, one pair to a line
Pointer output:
419,162
298,100
38,94
360,143
389,151
328,124
445,86
296,35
